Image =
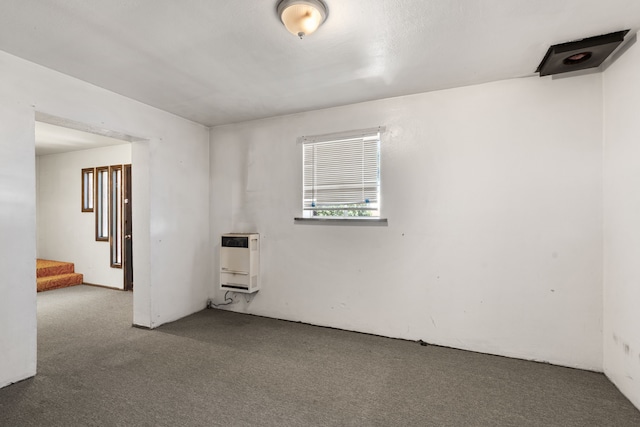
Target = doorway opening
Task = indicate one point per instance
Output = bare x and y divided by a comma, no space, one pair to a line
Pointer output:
93,240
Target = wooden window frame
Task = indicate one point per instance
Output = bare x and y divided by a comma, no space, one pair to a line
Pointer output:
87,203
98,205
115,216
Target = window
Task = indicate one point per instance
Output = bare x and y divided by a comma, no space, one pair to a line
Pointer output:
104,187
341,175
102,203
87,190
115,215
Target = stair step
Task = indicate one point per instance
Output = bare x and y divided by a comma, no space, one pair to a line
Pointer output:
52,268
59,281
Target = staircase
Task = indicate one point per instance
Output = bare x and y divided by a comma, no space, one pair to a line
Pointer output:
55,274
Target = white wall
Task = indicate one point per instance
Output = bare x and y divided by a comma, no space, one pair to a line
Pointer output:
17,242
621,336
171,174
493,196
64,232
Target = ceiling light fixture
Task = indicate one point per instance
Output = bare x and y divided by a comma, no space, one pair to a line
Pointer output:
302,17
580,54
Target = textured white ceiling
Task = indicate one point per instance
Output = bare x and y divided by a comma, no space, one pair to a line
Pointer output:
51,139
218,62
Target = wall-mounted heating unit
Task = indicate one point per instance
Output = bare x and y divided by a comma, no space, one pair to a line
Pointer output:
240,262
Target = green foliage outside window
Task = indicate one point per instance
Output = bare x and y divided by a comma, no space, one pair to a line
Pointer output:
345,211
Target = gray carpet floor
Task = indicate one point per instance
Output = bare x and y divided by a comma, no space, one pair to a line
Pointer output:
228,369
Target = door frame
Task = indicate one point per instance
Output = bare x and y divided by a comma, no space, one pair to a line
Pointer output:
127,244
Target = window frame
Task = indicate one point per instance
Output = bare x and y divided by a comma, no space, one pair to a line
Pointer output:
100,208
116,218
87,195
368,138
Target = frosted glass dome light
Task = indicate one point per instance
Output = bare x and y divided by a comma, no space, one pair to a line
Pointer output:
302,17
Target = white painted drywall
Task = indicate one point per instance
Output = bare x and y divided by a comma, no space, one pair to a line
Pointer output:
17,242
173,278
142,235
493,197
64,232
621,337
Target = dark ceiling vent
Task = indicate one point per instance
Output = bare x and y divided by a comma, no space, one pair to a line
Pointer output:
580,54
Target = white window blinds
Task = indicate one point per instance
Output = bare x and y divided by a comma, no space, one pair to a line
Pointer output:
341,173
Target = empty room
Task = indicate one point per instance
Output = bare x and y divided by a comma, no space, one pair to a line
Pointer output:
362,212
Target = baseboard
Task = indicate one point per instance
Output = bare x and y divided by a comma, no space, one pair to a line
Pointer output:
102,286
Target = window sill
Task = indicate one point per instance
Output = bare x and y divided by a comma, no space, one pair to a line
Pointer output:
380,222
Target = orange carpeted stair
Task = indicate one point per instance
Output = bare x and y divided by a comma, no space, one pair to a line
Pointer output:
56,274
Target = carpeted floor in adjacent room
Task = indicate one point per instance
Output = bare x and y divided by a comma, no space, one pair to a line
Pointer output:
228,369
